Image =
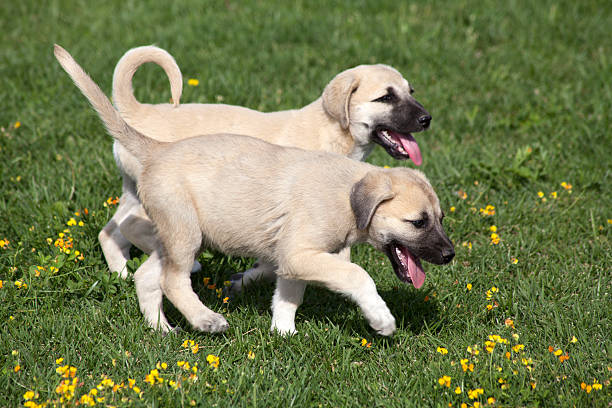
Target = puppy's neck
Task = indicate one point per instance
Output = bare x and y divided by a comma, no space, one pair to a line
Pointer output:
331,136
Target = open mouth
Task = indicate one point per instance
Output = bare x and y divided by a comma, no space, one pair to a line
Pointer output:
399,145
407,267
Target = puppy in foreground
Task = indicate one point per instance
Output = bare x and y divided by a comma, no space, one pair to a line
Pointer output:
360,107
293,208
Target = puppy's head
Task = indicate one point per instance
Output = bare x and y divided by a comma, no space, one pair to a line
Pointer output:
376,104
401,214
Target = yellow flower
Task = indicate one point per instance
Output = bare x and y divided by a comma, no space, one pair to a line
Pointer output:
462,194
467,244
566,185
17,368
540,194
574,339
445,380
1,284
452,209
28,395
226,299
513,261
489,307
212,360
442,350
518,348
193,82
17,125
558,352
596,385
386,167
71,222
495,239
488,210
251,355
4,243
458,390
553,195
493,228
469,286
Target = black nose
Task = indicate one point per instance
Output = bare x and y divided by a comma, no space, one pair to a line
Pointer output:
424,121
448,256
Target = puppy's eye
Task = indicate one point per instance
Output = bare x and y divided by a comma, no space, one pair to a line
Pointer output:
418,223
389,97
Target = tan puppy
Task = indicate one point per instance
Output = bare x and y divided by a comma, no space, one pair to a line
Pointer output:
293,208
361,106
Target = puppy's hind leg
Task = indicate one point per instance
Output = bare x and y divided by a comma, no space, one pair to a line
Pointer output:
181,239
138,228
149,293
115,246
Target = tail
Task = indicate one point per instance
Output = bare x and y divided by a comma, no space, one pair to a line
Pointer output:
123,94
135,142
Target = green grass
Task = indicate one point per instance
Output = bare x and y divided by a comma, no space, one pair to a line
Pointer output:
521,98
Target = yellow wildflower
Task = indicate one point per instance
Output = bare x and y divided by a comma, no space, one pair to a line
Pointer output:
445,380
212,360
513,261
493,228
540,194
193,82
495,239
574,339
17,125
452,209
469,286
28,395
442,350
458,390
251,355
553,195
4,243
17,368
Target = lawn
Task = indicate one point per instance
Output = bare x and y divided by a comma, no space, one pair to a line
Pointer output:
518,152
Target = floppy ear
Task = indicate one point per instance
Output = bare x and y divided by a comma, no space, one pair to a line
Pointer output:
337,97
367,194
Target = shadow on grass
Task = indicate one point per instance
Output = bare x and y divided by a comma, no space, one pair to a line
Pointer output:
413,309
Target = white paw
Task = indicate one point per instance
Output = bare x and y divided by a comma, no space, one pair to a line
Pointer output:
283,328
211,323
381,320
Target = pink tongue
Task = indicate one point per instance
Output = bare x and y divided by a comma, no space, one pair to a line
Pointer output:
410,145
415,269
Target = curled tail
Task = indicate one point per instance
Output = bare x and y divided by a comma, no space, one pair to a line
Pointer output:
123,94
135,142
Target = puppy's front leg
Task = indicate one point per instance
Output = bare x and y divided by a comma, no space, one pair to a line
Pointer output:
287,298
343,277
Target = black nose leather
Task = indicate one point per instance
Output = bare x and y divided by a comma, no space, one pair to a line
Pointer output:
448,256
424,120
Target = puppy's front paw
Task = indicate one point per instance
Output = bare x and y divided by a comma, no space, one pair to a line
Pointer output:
283,329
382,321
211,323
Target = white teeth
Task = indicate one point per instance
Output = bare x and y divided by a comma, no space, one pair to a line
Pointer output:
385,135
401,257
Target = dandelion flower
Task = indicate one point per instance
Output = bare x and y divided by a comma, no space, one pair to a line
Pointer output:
458,390
493,228
469,286
452,209
540,194
193,82
442,350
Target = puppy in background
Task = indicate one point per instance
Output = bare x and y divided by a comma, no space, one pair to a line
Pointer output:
361,106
